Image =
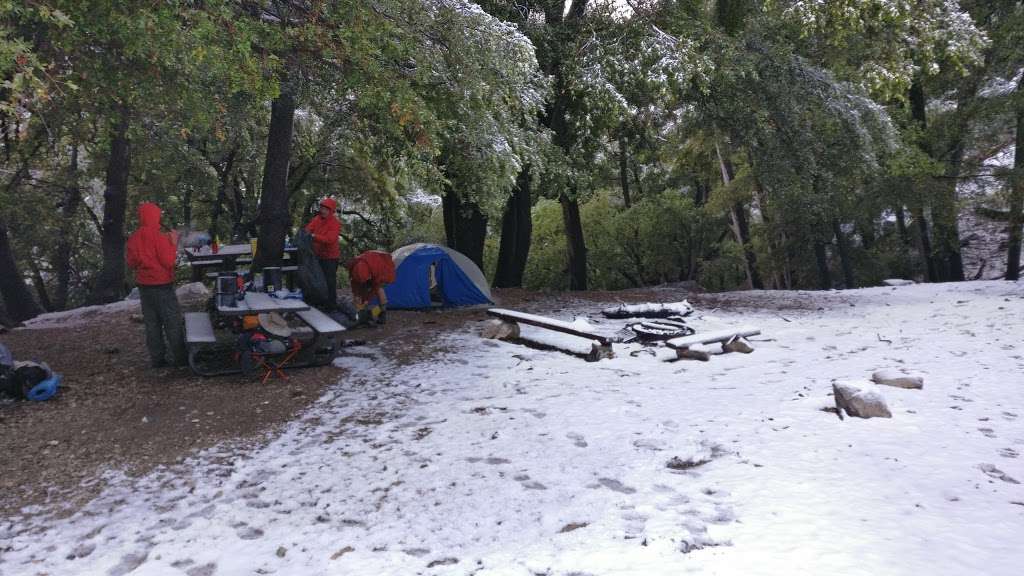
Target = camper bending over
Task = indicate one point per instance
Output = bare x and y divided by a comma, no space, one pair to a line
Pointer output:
368,274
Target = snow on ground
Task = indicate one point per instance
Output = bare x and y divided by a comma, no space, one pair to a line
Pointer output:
79,316
504,460
87,314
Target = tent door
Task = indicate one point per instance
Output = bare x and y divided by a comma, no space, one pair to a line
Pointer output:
436,292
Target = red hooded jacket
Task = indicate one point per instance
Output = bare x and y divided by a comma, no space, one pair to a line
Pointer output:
369,271
325,232
151,253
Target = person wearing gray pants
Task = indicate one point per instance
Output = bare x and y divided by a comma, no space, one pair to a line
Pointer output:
151,253
162,317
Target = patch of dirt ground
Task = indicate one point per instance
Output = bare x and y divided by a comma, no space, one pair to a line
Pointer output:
114,412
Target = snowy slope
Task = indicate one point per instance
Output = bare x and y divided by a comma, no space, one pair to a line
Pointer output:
500,459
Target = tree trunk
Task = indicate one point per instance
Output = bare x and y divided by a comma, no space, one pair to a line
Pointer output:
945,230
821,259
740,227
238,229
17,297
1016,213
624,170
575,245
273,218
636,181
465,226
40,285
926,245
842,243
775,244
186,206
566,26
945,254
225,171
516,233
901,225
918,113
110,283
68,212
866,227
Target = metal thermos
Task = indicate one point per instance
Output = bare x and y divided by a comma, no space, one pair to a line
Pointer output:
271,278
227,290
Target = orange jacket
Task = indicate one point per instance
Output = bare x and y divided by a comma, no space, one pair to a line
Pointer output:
325,233
151,253
369,271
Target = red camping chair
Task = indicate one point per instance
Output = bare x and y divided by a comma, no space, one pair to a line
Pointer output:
275,364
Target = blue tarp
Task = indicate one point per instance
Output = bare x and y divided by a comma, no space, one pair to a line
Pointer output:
411,288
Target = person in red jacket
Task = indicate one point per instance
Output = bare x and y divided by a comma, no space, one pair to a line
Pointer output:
151,254
325,229
368,274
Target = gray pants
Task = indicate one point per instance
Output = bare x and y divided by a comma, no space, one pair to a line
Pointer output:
162,317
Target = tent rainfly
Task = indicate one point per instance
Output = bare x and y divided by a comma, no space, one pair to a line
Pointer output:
421,269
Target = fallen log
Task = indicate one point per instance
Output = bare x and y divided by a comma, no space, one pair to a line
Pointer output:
649,310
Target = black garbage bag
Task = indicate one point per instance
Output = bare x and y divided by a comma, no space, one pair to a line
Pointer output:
310,277
17,382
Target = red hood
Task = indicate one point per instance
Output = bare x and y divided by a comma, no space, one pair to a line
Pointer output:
149,215
330,203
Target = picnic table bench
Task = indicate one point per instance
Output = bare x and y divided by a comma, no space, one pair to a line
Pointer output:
319,343
601,348
731,340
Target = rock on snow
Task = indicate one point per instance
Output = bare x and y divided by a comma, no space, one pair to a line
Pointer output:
863,400
891,377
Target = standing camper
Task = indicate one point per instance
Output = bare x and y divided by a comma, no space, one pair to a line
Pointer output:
151,253
325,229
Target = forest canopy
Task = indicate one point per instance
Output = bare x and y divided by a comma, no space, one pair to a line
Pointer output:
579,144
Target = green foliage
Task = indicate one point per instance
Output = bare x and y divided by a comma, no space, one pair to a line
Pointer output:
663,238
400,100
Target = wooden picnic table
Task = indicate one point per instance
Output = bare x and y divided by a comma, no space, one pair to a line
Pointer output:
224,259
260,303
227,252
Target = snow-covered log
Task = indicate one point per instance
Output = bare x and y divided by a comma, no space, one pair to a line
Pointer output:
649,310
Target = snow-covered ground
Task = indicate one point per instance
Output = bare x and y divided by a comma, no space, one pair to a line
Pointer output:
87,314
501,459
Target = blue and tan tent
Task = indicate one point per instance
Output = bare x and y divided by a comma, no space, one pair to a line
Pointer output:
429,275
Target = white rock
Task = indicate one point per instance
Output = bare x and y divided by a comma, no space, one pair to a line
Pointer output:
897,282
192,289
861,399
500,330
133,295
891,377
